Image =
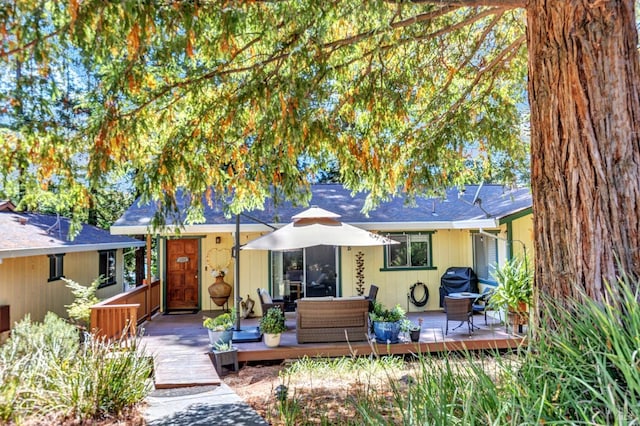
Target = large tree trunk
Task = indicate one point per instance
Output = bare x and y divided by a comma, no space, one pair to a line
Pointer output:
584,92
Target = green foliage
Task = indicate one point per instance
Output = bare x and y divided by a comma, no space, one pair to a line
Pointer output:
54,333
273,322
48,376
85,297
381,314
222,346
515,285
587,368
221,322
255,100
583,370
408,325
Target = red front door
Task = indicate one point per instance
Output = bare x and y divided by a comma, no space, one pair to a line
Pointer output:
182,274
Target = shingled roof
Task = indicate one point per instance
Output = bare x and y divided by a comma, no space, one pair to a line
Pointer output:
478,206
31,234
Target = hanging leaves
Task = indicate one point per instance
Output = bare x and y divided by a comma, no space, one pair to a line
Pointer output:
255,94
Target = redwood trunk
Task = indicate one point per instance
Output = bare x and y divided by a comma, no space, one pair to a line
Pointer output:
585,143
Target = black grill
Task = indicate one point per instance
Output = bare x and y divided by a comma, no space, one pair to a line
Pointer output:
456,280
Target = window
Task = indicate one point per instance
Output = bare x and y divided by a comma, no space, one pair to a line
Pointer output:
107,268
414,251
485,256
56,267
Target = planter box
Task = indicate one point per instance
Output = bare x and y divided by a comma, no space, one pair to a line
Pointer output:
225,358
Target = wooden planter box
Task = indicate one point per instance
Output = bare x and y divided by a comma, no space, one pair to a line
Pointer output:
225,358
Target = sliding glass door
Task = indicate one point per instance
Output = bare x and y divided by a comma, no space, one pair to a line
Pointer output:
309,272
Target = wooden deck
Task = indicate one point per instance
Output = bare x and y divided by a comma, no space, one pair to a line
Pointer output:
180,348
180,345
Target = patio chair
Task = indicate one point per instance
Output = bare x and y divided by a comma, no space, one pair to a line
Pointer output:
458,309
373,293
266,302
482,303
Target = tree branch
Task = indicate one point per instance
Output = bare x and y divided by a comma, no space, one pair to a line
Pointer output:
394,25
7,53
509,52
467,21
333,46
509,4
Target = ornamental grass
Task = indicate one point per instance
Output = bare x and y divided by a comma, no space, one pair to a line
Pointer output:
49,374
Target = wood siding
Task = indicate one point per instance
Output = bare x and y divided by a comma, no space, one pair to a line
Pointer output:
24,283
522,229
450,247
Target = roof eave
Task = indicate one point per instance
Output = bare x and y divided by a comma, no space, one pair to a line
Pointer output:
15,253
189,229
370,226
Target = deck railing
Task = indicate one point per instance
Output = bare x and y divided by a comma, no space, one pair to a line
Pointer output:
120,315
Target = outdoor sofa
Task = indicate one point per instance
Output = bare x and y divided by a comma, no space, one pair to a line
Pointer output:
325,319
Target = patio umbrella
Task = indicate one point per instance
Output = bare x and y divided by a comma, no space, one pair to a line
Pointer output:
312,227
316,227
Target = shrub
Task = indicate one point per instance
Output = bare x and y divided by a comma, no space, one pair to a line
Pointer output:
382,314
222,322
273,322
45,371
587,368
85,296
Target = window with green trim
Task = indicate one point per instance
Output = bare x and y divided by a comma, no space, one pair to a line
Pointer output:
414,251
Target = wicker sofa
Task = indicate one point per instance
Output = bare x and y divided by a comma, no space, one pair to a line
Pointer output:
325,319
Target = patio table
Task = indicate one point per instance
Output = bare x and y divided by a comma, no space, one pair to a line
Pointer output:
465,295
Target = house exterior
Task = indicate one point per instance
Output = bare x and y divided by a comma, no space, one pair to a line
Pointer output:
478,227
35,253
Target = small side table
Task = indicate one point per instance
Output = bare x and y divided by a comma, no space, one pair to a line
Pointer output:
225,358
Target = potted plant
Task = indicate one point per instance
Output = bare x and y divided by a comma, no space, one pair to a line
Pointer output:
411,328
514,292
386,323
272,325
224,354
220,328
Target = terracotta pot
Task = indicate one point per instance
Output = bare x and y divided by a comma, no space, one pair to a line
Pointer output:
219,291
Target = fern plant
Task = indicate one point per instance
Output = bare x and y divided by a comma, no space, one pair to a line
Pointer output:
515,285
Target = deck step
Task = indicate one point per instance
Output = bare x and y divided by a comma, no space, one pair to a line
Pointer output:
176,370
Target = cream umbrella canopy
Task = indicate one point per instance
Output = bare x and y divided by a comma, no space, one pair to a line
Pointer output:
312,227
316,227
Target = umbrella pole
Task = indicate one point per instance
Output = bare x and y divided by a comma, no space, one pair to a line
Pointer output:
239,335
236,266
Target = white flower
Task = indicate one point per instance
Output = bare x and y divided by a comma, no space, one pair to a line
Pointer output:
218,272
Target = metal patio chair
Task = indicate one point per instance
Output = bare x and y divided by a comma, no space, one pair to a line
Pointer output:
458,309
